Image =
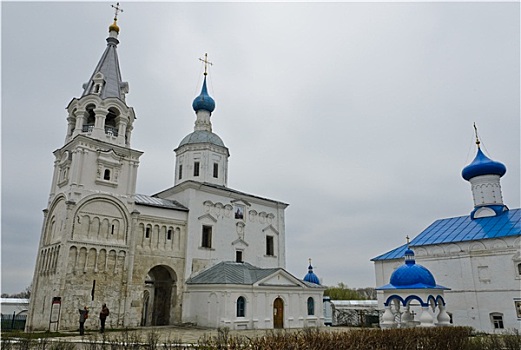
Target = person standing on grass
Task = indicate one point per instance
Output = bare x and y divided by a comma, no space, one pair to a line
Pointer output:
103,316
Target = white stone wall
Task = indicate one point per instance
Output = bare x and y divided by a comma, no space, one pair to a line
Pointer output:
210,307
217,208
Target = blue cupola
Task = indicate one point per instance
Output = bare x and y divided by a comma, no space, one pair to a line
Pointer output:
411,276
310,276
484,175
203,101
482,165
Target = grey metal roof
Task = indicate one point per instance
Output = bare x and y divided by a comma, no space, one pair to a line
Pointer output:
158,202
222,188
462,229
202,136
228,272
108,65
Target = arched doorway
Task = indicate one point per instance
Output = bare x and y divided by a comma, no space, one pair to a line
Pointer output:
278,313
159,296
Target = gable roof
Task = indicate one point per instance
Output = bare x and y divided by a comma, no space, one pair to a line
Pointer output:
462,229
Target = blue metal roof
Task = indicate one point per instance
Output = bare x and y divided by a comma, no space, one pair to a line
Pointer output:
461,229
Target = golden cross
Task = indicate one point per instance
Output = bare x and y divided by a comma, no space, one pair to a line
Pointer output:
206,63
117,9
476,131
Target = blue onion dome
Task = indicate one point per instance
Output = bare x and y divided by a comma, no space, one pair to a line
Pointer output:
482,165
310,276
411,275
203,101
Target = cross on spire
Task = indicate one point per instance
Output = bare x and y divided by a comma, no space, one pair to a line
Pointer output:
407,237
476,132
206,63
117,10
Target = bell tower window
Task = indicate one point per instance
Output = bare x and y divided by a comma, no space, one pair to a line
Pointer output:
110,123
106,174
180,171
90,119
196,168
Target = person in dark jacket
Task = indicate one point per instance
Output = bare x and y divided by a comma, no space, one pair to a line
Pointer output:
103,316
84,314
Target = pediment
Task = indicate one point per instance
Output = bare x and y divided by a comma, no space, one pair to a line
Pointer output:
280,278
240,243
109,157
241,202
207,218
270,228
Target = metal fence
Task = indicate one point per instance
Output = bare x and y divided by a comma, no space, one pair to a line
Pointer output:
14,321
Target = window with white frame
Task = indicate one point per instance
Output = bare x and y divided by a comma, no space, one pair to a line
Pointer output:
311,306
497,320
241,307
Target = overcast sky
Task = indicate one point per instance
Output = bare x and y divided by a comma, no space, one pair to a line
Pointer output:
359,115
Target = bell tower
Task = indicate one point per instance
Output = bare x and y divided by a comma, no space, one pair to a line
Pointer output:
85,248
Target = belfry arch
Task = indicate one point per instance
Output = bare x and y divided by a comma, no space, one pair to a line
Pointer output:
159,296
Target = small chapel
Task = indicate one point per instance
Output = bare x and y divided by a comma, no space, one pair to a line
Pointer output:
197,252
477,256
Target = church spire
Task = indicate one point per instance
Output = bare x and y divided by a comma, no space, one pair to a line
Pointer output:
106,81
101,112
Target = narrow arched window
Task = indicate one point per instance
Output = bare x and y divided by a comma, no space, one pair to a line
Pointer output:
311,306
519,269
241,307
106,174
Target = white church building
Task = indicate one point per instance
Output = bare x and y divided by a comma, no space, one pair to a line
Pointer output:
197,252
477,256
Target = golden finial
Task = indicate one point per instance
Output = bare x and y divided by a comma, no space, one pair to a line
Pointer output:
476,132
206,63
117,10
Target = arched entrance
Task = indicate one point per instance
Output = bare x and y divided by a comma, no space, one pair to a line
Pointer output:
159,296
278,313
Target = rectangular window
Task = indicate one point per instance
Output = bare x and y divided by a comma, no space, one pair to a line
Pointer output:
497,321
269,246
238,256
180,171
207,237
196,168
215,170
